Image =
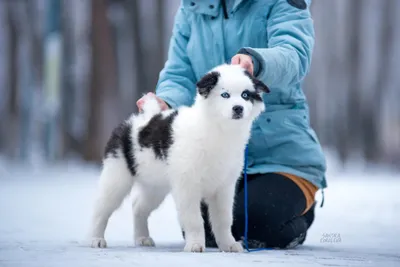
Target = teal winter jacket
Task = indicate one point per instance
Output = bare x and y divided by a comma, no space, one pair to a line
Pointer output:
279,35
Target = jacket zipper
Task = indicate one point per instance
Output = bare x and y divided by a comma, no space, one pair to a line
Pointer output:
224,9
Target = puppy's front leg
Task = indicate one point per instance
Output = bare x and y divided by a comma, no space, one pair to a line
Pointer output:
220,208
187,199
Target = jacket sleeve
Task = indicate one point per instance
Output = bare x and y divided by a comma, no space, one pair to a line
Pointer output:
176,84
287,59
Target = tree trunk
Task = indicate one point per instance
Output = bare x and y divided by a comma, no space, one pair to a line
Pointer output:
138,51
13,110
371,125
103,84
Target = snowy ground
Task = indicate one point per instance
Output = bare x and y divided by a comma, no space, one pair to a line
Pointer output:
44,217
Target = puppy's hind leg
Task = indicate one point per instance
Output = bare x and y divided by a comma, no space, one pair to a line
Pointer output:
145,200
115,184
220,207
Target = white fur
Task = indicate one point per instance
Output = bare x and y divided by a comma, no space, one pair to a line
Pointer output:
204,163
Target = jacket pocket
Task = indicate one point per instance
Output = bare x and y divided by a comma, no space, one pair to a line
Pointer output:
289,139
299,121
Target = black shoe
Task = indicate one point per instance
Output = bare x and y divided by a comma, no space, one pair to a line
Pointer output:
309,216
303,238
297,241
254,244
293,232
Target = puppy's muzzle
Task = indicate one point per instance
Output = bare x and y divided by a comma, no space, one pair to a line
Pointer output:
237,112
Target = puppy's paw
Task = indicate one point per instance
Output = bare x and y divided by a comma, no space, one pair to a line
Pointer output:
98,242
194,247
235,247
145,242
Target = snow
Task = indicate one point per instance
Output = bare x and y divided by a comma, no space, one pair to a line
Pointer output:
45,212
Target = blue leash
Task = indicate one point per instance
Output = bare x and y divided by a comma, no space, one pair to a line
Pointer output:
246,215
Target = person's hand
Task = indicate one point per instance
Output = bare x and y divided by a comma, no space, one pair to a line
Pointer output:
245,61
140,102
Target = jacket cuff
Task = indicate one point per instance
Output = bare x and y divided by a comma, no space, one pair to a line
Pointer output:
256,62
173,98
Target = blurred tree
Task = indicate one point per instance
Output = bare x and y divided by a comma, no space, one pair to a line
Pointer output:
350,138
114,50
52,80
76,74
371,121
125,18
12,117
138,50
68,81
149,15
352,78
103,85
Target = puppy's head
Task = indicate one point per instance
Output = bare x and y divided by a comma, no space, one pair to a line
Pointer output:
230,92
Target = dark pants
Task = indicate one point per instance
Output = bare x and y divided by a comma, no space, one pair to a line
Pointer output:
275,205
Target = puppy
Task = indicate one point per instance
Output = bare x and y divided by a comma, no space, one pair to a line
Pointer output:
195,153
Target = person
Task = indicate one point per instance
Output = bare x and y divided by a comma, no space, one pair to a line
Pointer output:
273,40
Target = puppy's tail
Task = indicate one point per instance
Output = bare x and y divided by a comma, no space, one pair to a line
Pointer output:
150,106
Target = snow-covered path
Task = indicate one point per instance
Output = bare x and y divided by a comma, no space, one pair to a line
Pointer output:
44,219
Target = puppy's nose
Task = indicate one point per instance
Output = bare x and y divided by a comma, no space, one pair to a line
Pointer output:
237,109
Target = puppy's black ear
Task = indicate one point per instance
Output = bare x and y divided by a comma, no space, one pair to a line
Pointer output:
207,83
259,86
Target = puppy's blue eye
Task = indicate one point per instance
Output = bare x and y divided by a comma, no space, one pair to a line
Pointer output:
245,96
225,95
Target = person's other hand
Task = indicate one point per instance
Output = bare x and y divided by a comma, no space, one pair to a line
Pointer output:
140,102
243,60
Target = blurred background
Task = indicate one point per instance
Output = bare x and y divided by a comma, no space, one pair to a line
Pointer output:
71,70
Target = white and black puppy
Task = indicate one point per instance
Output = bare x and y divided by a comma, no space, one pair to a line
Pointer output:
195,153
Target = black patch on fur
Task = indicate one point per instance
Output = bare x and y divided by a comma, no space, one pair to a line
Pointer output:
259,86
157,134
207,83
121,138
253,96
300,4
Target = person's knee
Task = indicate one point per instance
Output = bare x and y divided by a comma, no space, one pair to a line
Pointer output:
270,223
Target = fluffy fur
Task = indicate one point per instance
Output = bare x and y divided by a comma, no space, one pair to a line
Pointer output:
195,153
